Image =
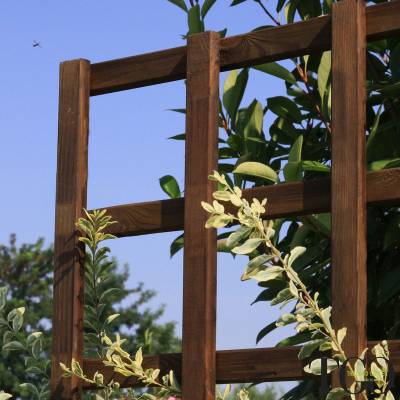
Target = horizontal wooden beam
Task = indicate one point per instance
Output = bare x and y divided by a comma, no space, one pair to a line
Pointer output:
284,200
234,366
271,44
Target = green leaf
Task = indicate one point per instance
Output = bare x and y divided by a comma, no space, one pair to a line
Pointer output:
295,253
195,23
315,166
256,169
382,164
170,186
285,108
315,366
237,236
176,245
294,340
277,70
264,332
236,2
296,150
234,87
336,394
290,10
324,72
206,7
309,348
280,5
181,136
248,246
253,120
12,346
264,275
180,3
293,169
376,372
282,296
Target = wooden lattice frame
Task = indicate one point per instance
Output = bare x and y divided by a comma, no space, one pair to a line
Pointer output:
200,366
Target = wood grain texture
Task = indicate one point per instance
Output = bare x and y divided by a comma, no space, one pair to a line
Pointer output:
349,247
70,199
235,366
200,247
285,200
271,44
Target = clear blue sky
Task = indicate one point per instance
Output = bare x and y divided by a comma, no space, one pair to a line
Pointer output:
129,149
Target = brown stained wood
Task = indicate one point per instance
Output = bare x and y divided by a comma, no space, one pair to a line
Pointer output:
200,247
235,366
349,247
271,44
70,199
285,200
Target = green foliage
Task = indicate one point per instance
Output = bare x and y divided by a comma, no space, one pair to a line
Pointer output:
302,113
27,271
28,345
254,238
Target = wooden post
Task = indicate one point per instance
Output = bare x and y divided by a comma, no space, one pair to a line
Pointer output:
200,252
70,199
349,272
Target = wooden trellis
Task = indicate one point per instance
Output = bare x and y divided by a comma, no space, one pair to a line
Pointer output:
346,194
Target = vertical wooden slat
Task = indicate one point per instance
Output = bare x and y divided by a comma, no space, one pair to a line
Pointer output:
199,281
349,287
70,199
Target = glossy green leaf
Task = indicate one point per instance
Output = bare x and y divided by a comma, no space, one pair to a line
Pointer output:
236,2
315,366
195,23
180,3
13,346
290,10
295,253
283,296
176,245
382,164
170,186
279,5
236,237
285,108
256,169
324,72
309,348
294,340
248,246
234,87
263,275
293,169
206,7
277,70
315,166
264,332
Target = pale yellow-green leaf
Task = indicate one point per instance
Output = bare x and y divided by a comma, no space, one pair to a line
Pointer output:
295,253
376,372
248,246
341,334
256,169
209,208
222,195
359,370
